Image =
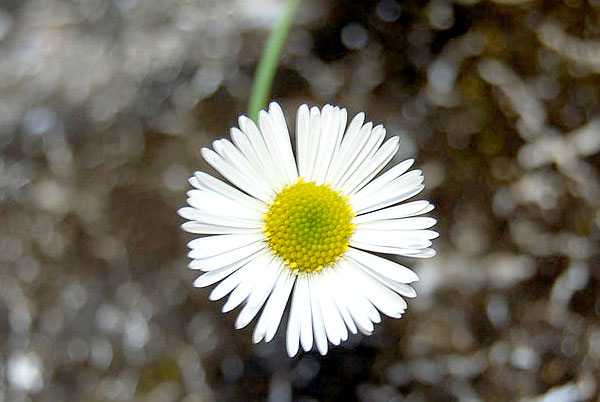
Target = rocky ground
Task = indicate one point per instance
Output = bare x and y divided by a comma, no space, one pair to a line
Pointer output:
104,105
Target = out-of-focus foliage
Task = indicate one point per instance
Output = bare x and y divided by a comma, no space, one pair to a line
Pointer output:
104,105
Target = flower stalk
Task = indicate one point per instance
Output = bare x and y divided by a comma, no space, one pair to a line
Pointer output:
265,72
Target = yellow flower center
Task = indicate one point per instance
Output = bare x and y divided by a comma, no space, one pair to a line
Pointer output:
308,226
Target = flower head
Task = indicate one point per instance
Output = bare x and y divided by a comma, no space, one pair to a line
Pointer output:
304,228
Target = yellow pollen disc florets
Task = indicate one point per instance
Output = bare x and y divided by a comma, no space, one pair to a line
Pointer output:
308,226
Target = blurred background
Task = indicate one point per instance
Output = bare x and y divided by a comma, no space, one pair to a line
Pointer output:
104,106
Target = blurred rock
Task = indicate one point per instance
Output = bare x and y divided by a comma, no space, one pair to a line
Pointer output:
105,104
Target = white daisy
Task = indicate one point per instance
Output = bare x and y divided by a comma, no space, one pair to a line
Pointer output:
306,227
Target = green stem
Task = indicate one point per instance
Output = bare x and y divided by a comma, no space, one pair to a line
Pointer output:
265,72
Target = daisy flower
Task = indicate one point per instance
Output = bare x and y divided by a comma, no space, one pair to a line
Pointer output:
306,228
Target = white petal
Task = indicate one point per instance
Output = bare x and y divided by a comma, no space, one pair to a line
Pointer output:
424,253
304,311
231,282
208,246
371,167
334,279
314,130
360,308
277,147
302,137
342,120
215,276
382,266
260,147
271,315
353,132
209,202
282,137
352,146
212,183
399,211
386,238
196,183
258,266
388,199
235,176
403,224
266,282
360,295
408,252
223,218
388,177
317,318
328,138
363,202
236,158
247,314
334,325
280,308
365,154
403,289
357,309
240,139
222,260
341,129
206,228
349,146
386,301
389,229
398,287
292,337
260,293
